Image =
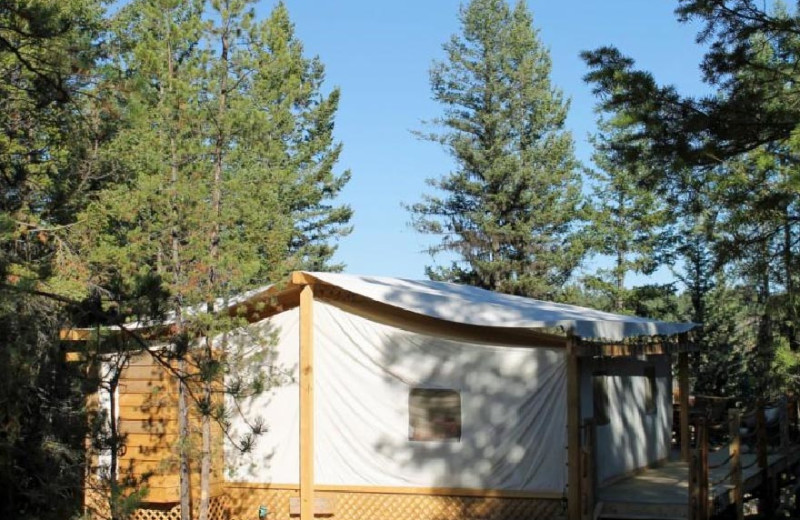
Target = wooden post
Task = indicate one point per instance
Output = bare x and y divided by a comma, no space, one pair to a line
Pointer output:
734,421
306,403
683,389
761,436
703,484
784,425
767,504
694,492
588,469
573,429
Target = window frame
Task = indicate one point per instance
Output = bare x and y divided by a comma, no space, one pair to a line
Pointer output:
436,432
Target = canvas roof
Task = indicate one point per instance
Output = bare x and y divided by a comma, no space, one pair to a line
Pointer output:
474,306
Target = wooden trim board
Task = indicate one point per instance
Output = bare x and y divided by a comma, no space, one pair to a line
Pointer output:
573,429
306,387
393,490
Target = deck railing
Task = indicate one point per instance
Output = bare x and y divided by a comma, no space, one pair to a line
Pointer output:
774,424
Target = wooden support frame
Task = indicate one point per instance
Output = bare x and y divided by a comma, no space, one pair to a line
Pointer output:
703,478
698,474
589,470
683,395
735,420
307,403
761,437
767,503
573,429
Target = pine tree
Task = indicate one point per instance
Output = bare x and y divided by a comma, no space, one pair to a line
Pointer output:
227,139
733,152
49,55
509,209
286,102
626,219
151,226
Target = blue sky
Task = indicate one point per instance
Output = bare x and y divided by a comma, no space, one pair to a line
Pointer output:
379,54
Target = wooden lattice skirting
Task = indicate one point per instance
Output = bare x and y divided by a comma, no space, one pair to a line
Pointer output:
218,510
245,501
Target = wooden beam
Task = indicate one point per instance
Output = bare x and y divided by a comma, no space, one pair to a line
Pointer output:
573,429
306,403
411,321
393,490
75,334
301,278
683,393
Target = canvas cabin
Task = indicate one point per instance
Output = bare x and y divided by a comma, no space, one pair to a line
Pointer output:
420,400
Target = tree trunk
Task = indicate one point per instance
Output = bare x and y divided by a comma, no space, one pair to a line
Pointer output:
216,202
114,441
764,345
183,431
791,298
183,406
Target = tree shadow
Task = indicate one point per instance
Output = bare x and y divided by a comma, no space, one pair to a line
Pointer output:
634,436
272,377
513,418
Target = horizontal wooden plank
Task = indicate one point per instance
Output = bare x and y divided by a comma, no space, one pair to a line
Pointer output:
143,466
163,494
170,493
142,360
151,439
132,386
75,334
157,400
159,449
155,414
155,469
157,426
323,506
144,373
73,357
394,490
433,491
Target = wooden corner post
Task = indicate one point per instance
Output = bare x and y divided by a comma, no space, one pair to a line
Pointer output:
683,395
307,403
573,429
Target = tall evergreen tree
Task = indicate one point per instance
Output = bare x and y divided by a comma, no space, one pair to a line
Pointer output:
733,153
228,142
280,94
49,53
626,220
508,209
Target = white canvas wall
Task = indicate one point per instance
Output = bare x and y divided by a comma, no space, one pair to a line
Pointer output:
513,410
632,439
104,407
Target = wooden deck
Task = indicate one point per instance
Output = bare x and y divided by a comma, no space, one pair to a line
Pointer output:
663,492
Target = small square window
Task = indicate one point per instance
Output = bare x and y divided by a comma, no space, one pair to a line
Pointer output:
600,398
434,414
650,390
